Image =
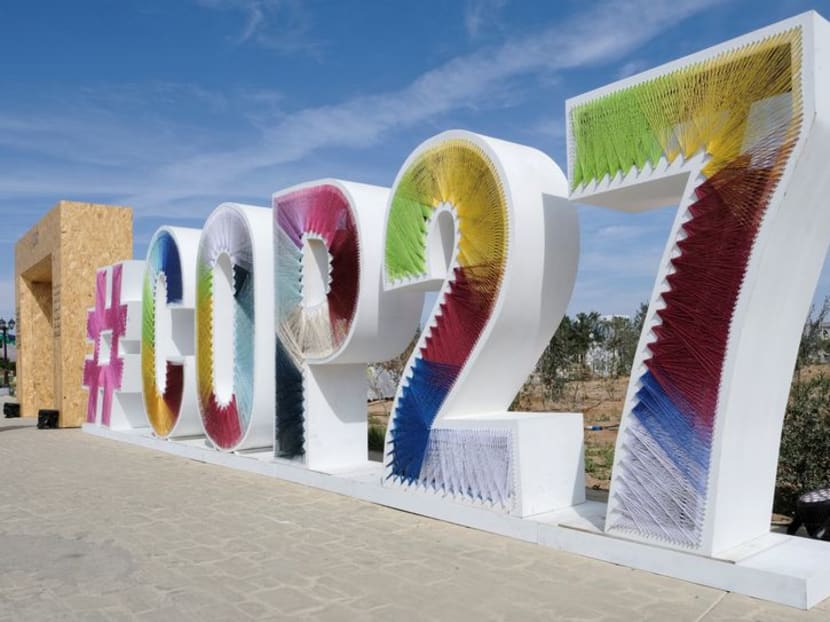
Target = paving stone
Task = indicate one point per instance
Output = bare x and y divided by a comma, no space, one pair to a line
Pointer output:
288,600
339,613
92,529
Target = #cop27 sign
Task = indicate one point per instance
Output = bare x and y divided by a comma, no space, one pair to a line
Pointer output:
257,330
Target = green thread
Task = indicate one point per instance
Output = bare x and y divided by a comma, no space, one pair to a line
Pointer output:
406,230
612,134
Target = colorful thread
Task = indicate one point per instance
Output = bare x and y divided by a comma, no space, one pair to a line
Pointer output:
456,174
226,232
318,331
743,108
162,404
97,374
474,463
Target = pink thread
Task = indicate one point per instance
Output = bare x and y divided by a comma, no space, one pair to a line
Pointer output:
107,376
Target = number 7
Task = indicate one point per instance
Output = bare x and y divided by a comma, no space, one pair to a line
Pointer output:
738,135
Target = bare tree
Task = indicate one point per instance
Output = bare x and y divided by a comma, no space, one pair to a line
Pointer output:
392,369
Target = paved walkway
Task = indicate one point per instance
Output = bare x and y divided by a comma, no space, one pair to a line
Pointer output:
91,529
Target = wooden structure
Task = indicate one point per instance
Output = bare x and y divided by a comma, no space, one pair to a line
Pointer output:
55,264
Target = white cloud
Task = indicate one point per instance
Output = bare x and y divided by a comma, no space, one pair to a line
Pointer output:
551,127
627,262
624,233
114,140
165,166
479,14
284,26
256,17
632,67
601,34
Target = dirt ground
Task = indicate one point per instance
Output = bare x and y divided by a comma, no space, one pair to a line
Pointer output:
600,401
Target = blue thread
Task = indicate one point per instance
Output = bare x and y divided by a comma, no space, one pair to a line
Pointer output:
416,410
290,434
170,264
674,431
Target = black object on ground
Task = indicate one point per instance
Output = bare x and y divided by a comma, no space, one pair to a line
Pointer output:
47,419
813,511
11,410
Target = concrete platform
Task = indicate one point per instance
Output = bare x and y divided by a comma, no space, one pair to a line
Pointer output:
778,568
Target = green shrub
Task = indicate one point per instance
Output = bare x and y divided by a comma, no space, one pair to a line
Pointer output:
598,460
377,436
804,461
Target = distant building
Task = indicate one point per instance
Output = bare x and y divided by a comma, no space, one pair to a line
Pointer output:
823,355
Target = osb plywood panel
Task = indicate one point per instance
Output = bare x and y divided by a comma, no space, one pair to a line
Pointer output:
37,244
73,240
35,350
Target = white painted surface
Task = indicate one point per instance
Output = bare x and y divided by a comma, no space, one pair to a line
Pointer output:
335,411
223,329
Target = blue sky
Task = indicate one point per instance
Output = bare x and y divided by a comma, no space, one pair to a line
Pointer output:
174,106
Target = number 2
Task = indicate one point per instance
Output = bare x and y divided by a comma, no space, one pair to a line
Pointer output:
478,219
